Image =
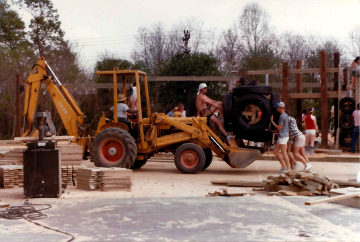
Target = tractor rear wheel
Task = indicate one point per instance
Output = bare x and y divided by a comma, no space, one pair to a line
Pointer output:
113,147
208,158
189,158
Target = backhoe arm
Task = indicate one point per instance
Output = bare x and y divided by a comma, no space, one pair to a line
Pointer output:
68,109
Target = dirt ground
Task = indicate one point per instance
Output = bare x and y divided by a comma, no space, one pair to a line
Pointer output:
160,178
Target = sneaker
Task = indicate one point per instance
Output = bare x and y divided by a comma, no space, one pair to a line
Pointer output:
307,167
295,167
282,169
228,138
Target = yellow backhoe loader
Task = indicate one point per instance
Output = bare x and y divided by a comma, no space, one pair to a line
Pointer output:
191,139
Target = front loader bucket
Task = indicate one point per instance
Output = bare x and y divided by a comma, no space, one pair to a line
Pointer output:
242,157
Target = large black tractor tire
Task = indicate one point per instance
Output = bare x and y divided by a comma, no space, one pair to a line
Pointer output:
113,147
228,112
260,90
244,123
345,138
189,158
208,157
275,98
138,164
256,136
347,105
346,121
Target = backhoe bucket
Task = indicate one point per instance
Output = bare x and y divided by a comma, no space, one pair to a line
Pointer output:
242,157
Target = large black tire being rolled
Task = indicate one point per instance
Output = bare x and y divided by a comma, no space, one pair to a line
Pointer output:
113,147
208,157
138,164
346,121
347,105
260,90
189,158
228,112
345,138
252,123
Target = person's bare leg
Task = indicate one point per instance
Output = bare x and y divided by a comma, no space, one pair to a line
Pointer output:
352,83
221,113
278,156
312,143
292,160
220,125
303,154
285,156
298,156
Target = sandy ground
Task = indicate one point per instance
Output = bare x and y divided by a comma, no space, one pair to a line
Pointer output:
162,179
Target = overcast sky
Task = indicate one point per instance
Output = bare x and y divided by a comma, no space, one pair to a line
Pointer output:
111,25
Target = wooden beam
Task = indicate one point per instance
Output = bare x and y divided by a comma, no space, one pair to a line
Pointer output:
336,74
324,102
291,71
299,101
345,75
285,83
316,95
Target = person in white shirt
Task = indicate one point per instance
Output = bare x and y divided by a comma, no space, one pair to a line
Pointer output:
356,115
181,110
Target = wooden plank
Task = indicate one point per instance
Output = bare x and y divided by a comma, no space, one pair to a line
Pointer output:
245,184
332,199
347,183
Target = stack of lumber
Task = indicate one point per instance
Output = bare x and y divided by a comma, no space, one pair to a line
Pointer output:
13,156
71,153
88,178
293,183
115,178
11,176
104,179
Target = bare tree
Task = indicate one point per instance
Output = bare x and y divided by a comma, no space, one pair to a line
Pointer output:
253,24
355,41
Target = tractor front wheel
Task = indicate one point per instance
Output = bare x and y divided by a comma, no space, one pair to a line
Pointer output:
189,158
113,147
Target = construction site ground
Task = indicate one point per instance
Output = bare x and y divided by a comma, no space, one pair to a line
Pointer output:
166,205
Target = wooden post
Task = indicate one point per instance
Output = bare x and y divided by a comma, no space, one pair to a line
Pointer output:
18,111
345,75
337,87
324,102
285,83
336,74
299,101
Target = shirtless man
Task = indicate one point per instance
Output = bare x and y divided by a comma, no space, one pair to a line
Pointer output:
202,102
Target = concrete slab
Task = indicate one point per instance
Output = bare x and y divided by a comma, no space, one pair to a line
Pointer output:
188,219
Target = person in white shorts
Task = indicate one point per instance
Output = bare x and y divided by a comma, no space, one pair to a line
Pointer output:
298,139
283,137
311,129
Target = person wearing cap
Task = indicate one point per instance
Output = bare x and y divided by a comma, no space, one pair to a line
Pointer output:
311,129
122,108
283,137
206,108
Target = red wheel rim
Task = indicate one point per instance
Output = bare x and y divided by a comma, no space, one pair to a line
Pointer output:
111,150
189,159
